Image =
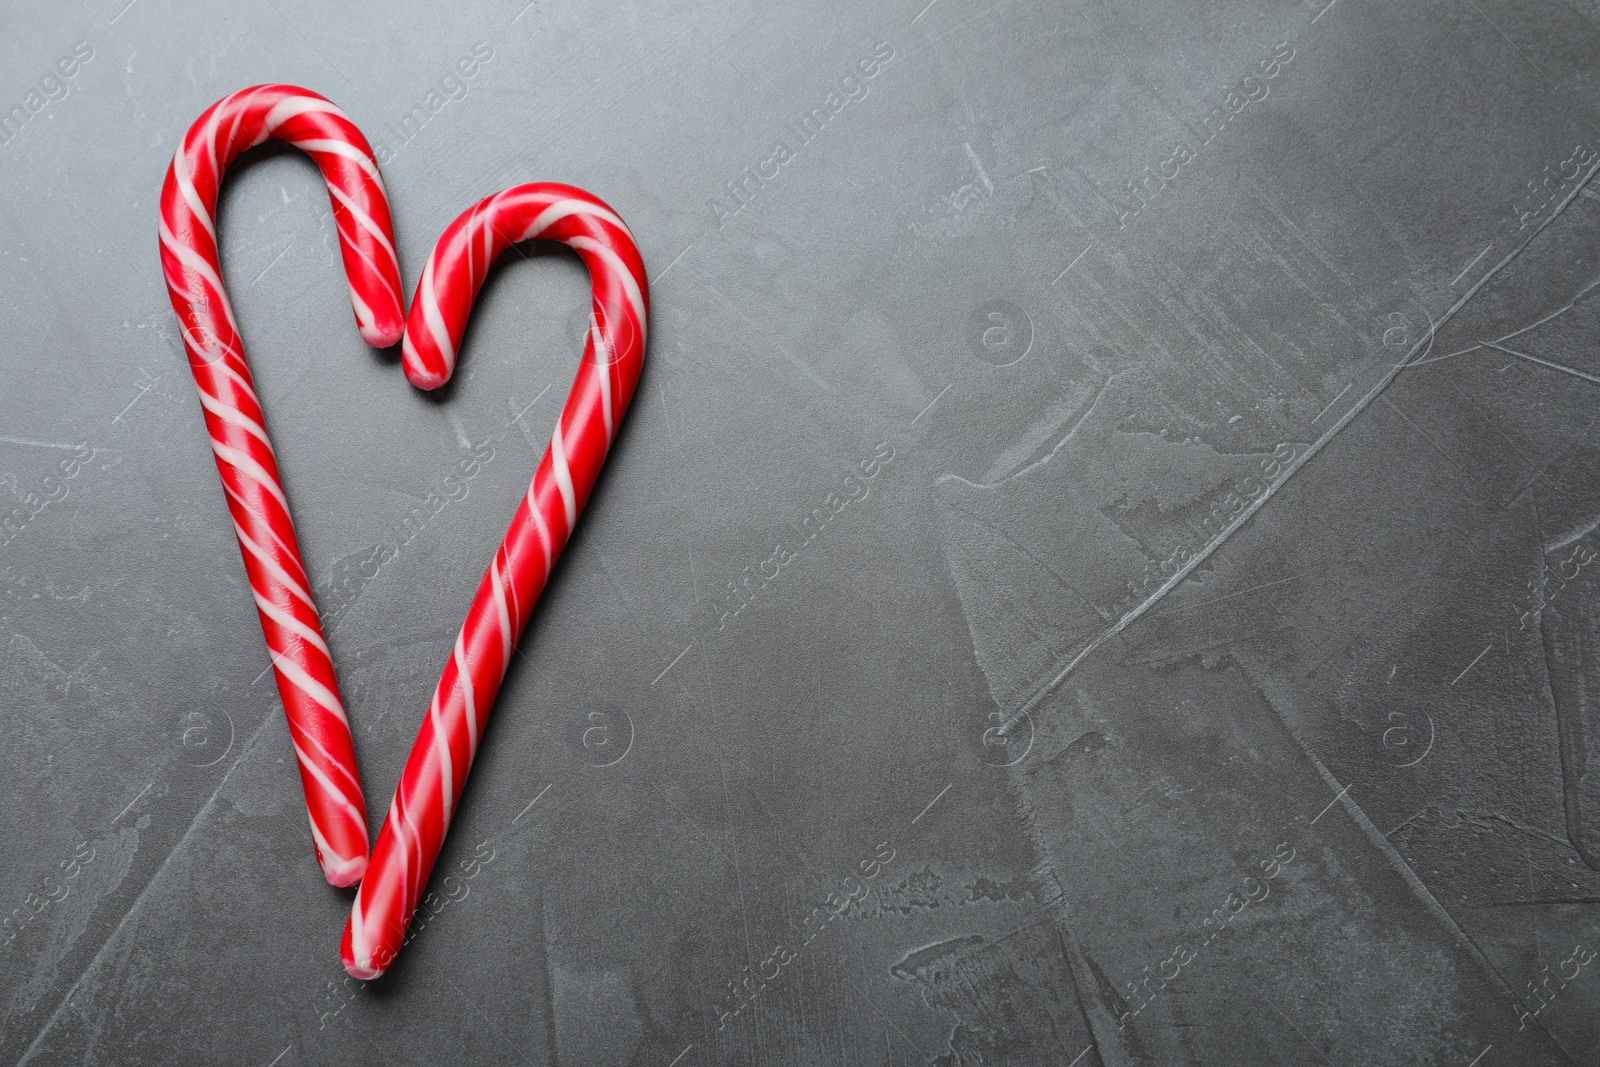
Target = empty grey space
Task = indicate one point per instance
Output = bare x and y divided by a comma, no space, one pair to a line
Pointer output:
1100,569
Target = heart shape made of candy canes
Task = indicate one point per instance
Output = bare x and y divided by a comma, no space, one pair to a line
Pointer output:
613,356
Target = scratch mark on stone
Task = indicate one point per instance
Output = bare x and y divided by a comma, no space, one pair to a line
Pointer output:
1332,402
473,1005
1320,1055
1294,467
1539,902
132,802
1474,662
1074,263
931,803
148,386
41,444
1420,432
663,274
1230,596
1562,367
138,902
983,175
269,266
673,664
1331,803
1552,85
517,418
1402,869
929,408
531,803
1065,440
879,1013
1474,263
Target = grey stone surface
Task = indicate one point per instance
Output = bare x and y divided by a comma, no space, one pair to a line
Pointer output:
1200,676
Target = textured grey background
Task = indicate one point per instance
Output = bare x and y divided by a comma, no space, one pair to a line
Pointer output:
1205,679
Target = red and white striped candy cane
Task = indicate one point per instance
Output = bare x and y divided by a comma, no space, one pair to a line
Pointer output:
613,356
237,427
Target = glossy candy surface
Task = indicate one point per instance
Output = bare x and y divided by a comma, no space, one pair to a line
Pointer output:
613,355
237,427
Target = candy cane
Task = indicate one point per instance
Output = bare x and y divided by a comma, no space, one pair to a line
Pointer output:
613,356
245,459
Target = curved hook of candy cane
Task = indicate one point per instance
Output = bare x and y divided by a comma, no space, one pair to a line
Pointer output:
613,355
234,419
